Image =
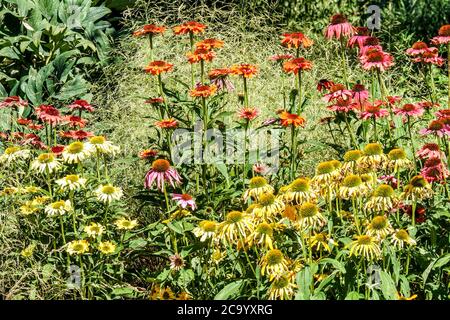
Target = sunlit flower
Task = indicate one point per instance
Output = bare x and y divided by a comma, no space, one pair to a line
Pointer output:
373,111
149,29
300,191
417,189
296,40
48,114
169,123
373,157
257,187
192,27
296,65
326,174
310,217
59,207
382,200
71,182
339,27
29,207
81,105
268,206
365,246
184,200
101,145
245,70
161,172
352,187
206,230
158,67
376,59
350,161
324,84
203,91
76,152
430,56
262,235
209,44
176,262
106,247
13,102
282,287
13,154
290,119
417,48
360,95
379,227
261,168
24,122
273,263
46,162
148,153
341,105
201,54
76,135
219,78
401,237
74,121
94,230
320,241
236,227
443,35
409,109
78,247
337,91
28,251
430,150
371,44
125,224
248,113
434,169
107,193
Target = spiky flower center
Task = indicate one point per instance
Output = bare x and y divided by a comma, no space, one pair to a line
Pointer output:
97,140
373,149
336,164
419,45
264,228
397,154
338,19
75,147
46,158
379,222
72,178
352,181
364,240
257,182
436,125
160,165
108,189
234,216
352,155
418,182
11,150
300,185
402,235
266,199
308,209
384,190
444,31
78,247
280,282
325,168
274,257
366,178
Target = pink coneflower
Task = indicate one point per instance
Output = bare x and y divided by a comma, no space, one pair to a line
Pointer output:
409,109
370,43
339,27
248,113
360,94
219,78
444,113
81,105
428,104
161,172
430,56
430,150
48,114
34,140
176,262
324,84
436,127
261,168
338,91
184,200
362,33
57,150
341,105
434,170
76,134
75,121
390,180
376,59
417,48
443,35
281,57
155,101
13,101
374,111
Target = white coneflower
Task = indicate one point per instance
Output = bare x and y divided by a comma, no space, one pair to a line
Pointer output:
78,247
125,224
107,193
58,207
94,230
101,145
206,229
14,153
71,182
402,237
76,152
46,162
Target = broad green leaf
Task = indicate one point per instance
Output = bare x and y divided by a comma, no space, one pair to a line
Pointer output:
387,286
230,290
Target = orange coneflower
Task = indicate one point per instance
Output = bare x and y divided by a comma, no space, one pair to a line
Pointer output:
158,67
75,121
296,39
209,44
189,27
167,123
200,54
203,91
248,113
149,29
296,65
245,69
148,153
81,105
291,119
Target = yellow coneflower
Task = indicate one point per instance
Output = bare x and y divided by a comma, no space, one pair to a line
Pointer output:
32,190
46,162
382,200
101,145
398,160
257,187
310,217
206,230
236,226
373,157
28,251
352,187
29,207
78,247
107,193
71,182
350,161
250,208
94,230
417,189
282,287
365,246
218,255
268,207
320,241
60,207
76,152
13,154
125,224
379,227
41,200
291,213
400,297
300,191
402,237
159,293
273,263
261,235
8,191
326,174
107,247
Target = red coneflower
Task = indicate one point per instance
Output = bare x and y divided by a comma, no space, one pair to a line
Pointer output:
430,56
324,84
189,27
444,113
341,105
151,29
248,113
35,126
360,94
161,172
34,140
434,170
24,122
338,91
428,104
376,59
409,109
75,121
420,212
430,150
148,153
155,101
393,100
436,127
339,27
13,101
219,78
57,150
209,44
246,70
290,119
370,43
204,91
362,33
82,105
49,114
390,180
167,123
296,40
76,134
417,48
158,67
443,35
200,54
281,57
374,111
296,65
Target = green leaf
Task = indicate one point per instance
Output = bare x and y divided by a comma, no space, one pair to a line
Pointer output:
339,266
9,52
186,277
353,295
137,243
442,261
229,290
387,286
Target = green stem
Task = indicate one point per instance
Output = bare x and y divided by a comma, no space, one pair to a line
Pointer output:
344,61
150,40
245,92
412,142
350,131
300,92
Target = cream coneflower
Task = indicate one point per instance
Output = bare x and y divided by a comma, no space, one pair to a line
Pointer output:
282,287
29,207
373,157
237,226
417,189
262,235
273,263
268,206
106,247
383,199
352,187
94,230
107,193
310,217
320,241
257,187
71,182
78,247
76,152
326,174
398,160
365,246
206,230
300,191
379,228
176,262
14,153
350,161
401,237
60,207
125,224
46,162
101,145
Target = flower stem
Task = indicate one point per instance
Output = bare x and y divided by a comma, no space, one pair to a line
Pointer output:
352,136
150,40
245,92
344,61
300,92
412,143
